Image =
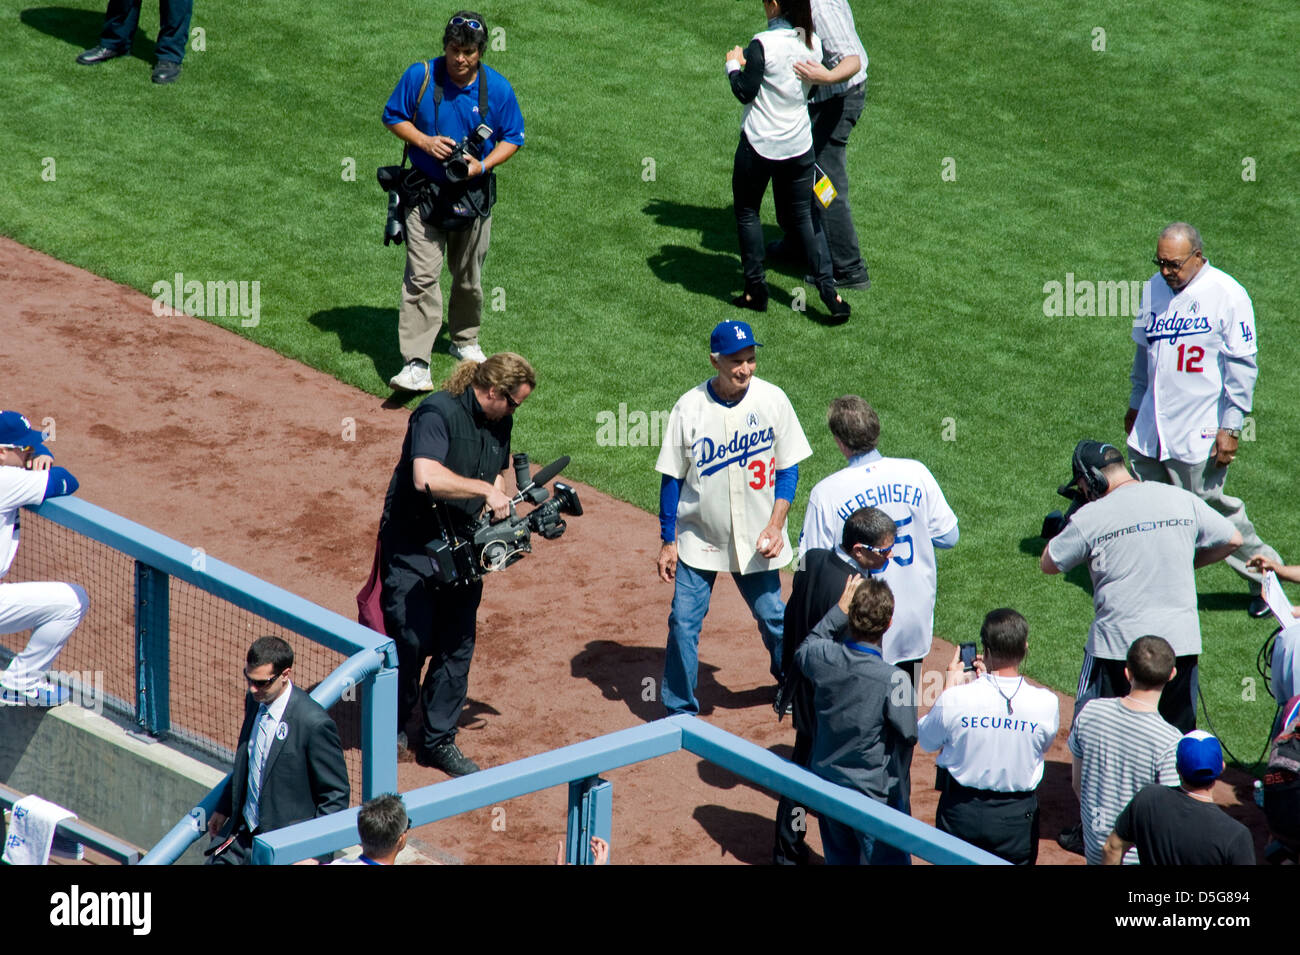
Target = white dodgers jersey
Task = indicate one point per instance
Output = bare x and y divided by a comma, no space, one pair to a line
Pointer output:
1188,338
906,491
728,457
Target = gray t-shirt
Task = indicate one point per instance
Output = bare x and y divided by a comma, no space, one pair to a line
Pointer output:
1139,541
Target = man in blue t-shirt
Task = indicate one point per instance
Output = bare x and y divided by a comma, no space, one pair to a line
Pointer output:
449,217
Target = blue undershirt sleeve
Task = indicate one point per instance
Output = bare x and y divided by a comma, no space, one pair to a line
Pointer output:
947,541
787,479
60,483
670,492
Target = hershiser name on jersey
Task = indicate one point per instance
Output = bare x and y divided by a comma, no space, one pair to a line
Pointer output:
1190,336
906,491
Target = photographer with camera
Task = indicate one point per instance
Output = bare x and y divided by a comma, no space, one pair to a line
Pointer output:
457,451
459,120
1142,542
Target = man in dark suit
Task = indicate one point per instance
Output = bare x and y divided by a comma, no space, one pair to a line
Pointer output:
288,763
865,544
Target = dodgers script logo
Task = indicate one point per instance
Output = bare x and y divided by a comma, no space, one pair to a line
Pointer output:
1175,327
711,456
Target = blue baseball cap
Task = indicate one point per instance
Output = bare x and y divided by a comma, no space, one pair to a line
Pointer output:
730,337
1200,758
17,432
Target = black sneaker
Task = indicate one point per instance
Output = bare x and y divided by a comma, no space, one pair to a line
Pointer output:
1258,607
448,758
1071,840
166,71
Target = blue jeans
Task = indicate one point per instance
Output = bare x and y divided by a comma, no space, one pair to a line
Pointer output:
762,591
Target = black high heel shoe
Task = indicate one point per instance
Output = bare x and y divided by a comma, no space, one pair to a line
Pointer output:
755,297
839,309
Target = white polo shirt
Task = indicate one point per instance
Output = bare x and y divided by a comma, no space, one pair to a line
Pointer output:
981,744
1189,338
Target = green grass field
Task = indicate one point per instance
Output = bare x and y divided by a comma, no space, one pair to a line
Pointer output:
1067,159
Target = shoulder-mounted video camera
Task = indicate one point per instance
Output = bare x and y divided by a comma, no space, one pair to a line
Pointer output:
490,546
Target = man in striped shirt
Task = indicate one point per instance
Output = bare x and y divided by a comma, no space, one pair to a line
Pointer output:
1122,744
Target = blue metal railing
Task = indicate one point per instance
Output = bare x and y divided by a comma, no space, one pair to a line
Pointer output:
372,657
590,800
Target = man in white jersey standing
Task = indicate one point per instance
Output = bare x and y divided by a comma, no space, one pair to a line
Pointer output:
729,467
906,491
1193,379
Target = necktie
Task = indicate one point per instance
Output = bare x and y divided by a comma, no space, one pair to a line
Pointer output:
261,743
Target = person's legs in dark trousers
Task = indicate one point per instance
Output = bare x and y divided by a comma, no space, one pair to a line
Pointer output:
408,620
749,177
119,24
173,28
792,818
792,181
446,684
841,844
1003,824
1178,699
832,122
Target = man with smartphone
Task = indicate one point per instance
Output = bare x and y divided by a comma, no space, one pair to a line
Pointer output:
991,730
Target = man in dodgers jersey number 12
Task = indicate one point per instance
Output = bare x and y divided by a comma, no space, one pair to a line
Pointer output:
906,491
1193,380
729,466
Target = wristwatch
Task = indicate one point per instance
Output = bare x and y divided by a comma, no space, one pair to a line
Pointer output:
1233,432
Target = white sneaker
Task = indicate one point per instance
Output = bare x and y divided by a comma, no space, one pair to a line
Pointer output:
469,352
414,376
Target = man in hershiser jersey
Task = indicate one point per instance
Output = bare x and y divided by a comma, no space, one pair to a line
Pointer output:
906,491
1193,378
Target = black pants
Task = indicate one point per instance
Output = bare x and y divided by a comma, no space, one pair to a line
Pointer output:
1105,679
832,122
792,181
122,16
1005,824
428,620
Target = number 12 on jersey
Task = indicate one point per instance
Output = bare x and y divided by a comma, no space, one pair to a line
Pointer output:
1195,355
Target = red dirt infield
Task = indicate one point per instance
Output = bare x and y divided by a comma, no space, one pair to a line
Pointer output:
225,445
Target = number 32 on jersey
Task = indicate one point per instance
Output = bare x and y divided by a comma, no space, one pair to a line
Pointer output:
763,473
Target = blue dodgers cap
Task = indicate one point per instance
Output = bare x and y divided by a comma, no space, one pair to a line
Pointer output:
730,337
1200,758
17,432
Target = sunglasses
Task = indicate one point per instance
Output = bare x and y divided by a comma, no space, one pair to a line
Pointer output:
461,21
882,551
262,684
1172,265
510,401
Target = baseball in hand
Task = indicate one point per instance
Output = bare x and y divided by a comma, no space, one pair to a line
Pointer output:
762,543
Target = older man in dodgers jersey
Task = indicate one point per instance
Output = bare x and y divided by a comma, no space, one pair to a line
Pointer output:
730,468
1193,378
906,491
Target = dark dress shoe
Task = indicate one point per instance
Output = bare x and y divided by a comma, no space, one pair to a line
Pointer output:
1258,607
166,71
98,54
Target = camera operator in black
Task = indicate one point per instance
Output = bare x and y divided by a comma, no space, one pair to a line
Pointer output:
458,446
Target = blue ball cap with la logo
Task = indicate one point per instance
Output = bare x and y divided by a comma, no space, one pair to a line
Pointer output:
730,337
17,432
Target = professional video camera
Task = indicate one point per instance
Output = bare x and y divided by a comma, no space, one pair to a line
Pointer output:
457,164
497,546
1055,521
